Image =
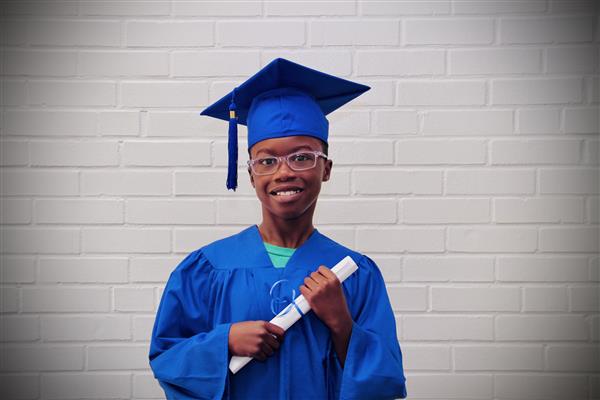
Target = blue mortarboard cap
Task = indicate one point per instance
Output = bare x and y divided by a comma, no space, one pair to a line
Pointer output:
282,99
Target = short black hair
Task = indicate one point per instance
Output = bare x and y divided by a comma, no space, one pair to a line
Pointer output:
324,146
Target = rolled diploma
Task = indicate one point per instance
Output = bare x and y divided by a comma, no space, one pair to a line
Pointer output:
289,315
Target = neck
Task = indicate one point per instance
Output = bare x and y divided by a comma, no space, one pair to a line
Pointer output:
285,233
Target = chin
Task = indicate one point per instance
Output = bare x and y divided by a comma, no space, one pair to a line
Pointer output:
287,215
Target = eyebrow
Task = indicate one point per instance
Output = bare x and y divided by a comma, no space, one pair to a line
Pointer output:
270,151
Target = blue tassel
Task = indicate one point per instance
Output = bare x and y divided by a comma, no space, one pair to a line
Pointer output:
232,146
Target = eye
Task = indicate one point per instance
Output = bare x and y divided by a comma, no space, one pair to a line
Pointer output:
267,161
302,157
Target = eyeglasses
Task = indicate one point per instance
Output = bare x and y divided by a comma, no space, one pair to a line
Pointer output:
299,161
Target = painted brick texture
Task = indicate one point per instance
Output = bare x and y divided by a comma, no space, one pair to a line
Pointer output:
469,173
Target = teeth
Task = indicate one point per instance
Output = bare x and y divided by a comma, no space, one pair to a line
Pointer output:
288,193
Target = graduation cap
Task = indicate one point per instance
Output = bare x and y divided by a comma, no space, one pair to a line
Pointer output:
282,99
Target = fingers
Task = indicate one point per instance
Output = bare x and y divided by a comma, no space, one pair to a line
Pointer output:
257,339
267,349
260,355
327,273
322,276
272,343
305,291
310,283
315,279
270,340
275,330
318,277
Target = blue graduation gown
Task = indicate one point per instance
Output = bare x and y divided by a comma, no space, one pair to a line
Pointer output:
232,280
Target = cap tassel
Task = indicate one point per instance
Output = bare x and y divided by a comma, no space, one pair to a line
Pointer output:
232,146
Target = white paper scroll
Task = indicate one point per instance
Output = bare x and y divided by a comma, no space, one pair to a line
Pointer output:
289,315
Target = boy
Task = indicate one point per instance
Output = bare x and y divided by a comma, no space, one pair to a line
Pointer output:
218,301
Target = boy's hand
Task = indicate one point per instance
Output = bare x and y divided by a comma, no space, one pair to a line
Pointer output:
323,291
256,339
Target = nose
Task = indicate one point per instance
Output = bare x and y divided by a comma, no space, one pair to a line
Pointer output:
284,172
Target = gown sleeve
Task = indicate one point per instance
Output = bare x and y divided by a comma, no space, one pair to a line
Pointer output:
188,355
373,366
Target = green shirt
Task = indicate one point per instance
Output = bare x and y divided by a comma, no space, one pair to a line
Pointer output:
279,255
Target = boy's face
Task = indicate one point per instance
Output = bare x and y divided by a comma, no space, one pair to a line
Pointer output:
285,179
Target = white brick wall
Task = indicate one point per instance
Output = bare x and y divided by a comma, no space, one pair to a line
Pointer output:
469,172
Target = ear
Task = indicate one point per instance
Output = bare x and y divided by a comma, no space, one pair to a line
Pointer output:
327,170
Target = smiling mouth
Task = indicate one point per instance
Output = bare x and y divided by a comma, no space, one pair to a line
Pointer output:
284,193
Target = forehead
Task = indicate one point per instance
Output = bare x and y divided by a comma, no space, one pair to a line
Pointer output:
285,145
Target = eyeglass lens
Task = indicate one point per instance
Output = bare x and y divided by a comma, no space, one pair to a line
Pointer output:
297,162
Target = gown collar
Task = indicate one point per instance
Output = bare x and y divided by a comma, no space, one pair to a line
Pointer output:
305,247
